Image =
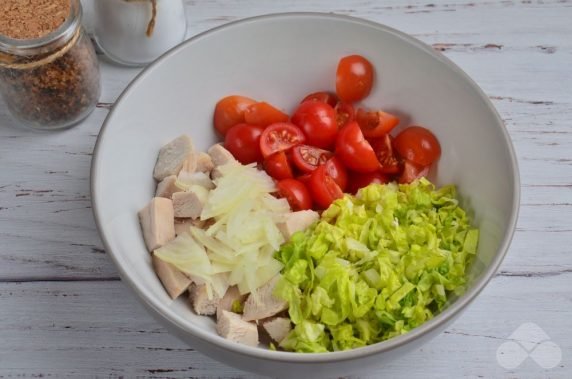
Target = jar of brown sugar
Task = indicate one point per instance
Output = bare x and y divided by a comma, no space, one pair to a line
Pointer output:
49,73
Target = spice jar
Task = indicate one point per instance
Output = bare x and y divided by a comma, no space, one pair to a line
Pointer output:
49,73
136,32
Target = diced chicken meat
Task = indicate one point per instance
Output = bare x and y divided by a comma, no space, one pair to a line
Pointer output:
204,163
183,225
174,281
232,327
196,178
173,156
190,203
220,155
297,221
277,328
262,303
202,305
166,187
157,222
232,294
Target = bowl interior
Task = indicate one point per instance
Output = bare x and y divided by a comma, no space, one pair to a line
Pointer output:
280,59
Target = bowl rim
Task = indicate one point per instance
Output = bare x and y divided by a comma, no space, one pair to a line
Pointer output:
200,334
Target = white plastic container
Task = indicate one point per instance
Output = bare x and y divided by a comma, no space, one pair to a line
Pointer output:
136,32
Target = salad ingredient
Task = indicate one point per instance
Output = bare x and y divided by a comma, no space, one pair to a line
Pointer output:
325,97
354,78
243,142
183,225
172,156
375,124
204,162
157,222
185,181
354,151
345,113
201,301
418,145
296,193
388,160
336,170
167,187
231,297
174,281
357,180
219,155
262,303
307,158
324,188
232,327
375,266
297,221
277,166
277,328
191,202
318,122
280,137
411,171
229,111
264,114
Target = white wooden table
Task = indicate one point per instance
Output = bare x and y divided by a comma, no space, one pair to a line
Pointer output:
65,313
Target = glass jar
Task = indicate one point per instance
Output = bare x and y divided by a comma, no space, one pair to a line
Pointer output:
51,82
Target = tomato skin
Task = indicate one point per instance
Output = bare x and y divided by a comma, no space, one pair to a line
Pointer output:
323,188
337,171
325,97
305,179
243,141
229,111
375,124
279,137
383,148
308,158
278,167
418,145
356,181
354,78
354,151
345,113
296,193
411,171
264,114
318,122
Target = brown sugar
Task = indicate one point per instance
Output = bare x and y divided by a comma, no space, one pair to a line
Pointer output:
28,19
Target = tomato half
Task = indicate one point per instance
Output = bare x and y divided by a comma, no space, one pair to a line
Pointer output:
418,145
354,151
383,148
375,124
411,171
279,137
337,171
305,179
358,180
296,193
345,114
229,111
243,141
354,78
324,188
325,97
318,122
264,114
277,166
308,158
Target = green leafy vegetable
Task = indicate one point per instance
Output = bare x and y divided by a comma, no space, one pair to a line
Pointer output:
375,266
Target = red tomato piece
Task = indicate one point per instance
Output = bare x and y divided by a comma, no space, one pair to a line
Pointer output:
277,166
358,180
375,124
296,193
323,188
345,113
354,78
279,137
383,147
305,179
264,114
325,97
337,171
308,158
243,141
318,122
411,171
229,111
418,145
354,151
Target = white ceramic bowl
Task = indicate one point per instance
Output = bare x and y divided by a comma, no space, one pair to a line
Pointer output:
280,58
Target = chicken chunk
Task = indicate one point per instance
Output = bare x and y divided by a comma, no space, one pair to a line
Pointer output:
297,221
204,163
232,327
157,222
232,294
262,303
190,203
174,281
196,178
277,328
182,225
202,305
220,155
173,156
166,187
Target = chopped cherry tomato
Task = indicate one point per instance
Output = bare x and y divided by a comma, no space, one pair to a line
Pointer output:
354,78
296,193
318,122
229,111
305,179
358,180
264,114
243,141
337,171
308,158
277,166
325,97
390,164
324,188
354,151
418,145
345,114
280,136
411,171
375,124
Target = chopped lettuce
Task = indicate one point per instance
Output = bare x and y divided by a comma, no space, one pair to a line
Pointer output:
375,266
